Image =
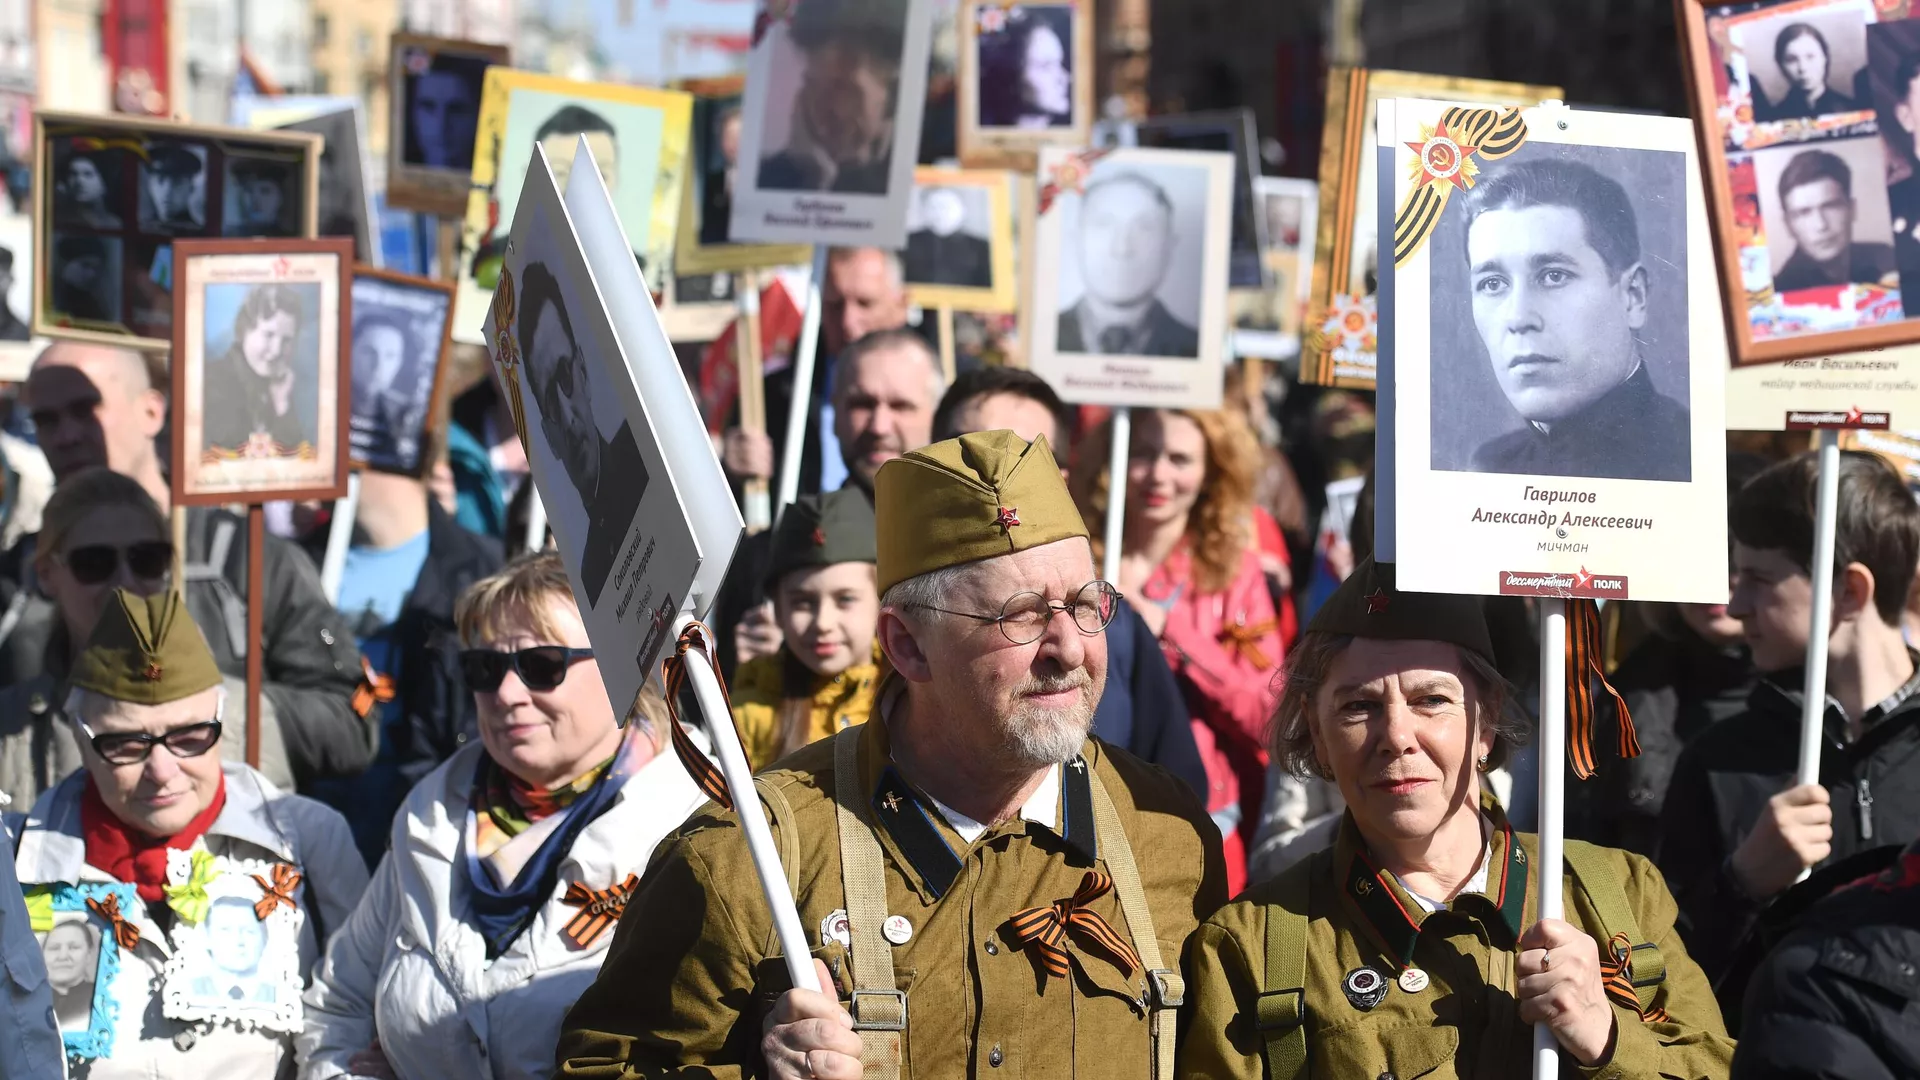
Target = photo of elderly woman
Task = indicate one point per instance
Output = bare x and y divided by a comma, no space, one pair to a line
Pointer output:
262,381
72,953
1806,65
1026,66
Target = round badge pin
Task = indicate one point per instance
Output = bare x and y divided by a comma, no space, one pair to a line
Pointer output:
835,928
1413,980
1365,988
897,929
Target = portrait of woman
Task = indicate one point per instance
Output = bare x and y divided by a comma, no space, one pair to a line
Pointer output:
1026,68
250,387
80,193
1805,61
72,952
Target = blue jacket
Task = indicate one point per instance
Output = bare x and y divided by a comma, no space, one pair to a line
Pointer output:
31,1049
1142,709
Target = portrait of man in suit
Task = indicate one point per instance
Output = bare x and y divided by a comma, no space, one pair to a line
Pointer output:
1124,249
942,250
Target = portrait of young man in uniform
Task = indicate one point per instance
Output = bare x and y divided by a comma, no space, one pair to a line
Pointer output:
607,474
1561,296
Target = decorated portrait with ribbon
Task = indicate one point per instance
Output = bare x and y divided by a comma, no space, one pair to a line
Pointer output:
81,930
236,941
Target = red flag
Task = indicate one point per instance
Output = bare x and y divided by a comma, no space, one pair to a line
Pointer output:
780,320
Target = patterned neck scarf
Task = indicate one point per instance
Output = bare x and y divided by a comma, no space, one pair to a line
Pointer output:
513,806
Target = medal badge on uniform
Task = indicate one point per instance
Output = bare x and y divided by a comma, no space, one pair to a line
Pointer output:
1365,988
836,928
235,941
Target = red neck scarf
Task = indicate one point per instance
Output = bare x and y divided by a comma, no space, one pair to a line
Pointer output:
133,856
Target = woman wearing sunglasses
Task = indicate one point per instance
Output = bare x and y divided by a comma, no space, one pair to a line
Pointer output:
509,864
147,706
99,532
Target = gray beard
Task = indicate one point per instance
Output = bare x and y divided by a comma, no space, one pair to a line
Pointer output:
1039,738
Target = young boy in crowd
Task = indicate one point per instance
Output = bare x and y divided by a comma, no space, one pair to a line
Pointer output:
1737,830
822,584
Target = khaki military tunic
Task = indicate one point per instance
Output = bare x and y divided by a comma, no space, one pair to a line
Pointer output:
694,964
1466,1021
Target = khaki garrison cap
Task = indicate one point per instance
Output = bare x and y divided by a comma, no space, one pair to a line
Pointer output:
146,651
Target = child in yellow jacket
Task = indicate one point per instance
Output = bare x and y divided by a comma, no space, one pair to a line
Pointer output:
824,597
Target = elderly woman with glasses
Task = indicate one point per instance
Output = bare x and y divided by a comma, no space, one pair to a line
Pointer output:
154,813
509,864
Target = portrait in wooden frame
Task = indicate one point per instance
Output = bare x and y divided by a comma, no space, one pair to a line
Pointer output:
1343,269
701,245
1762,141
1022,114
113,194
430,162
399,377
959,251
277,313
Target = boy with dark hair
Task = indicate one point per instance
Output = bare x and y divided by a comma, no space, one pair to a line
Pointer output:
1738,831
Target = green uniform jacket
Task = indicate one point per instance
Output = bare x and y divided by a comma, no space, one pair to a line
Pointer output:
1466,1022
694,964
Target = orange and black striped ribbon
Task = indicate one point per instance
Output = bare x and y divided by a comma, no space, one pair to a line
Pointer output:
1584,650
374,689
1044,928
1616,978
278,891
599,909
125,933
706,775
1245,640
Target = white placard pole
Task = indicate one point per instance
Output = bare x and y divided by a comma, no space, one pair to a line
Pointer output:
800,402
746,804
339,538
536,538
1118,453
1813,706
1550,865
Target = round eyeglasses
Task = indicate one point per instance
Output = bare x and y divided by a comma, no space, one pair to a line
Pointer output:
1025,615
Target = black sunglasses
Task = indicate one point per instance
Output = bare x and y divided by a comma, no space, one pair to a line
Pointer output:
94,563
186,741
541,667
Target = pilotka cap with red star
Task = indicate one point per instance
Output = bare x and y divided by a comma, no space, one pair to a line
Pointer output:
1368,605
966,499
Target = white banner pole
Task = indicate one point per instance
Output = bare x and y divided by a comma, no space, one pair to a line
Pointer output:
339,538
1813,706
1117,455
799,403
746,804
536,537
1551,865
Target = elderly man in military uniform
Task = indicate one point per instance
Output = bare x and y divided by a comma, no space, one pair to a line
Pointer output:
983,885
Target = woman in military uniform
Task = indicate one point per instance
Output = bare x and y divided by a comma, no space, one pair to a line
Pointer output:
1412,946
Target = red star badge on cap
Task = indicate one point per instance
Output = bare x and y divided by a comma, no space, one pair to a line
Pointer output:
1377,602
1009,517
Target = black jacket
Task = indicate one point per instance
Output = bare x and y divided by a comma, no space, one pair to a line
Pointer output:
1723,782
959,259
1633,433
1675,688
1867,264
1840,998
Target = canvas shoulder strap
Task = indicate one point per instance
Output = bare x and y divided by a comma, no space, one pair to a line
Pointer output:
1643,969
1166,990
1281,1009
878,1006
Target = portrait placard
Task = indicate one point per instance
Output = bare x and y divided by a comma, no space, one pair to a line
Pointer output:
260,391
18,344
1339,335
433,90
1026,80
568,375
639,138
402,334
1266,322
834,99
74,928
1557,364
1130,279
345,195
707,207
959,251
113,194
237,960
1813,182
1229,131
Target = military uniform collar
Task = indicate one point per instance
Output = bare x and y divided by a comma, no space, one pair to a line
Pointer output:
927,843
1393,917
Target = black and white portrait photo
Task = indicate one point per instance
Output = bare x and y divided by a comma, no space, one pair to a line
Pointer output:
716,127
843,65
1806,64
1559,332
83,278
1025,65
442,110
1826,214
607,474
1130,272
949,238
399,339
262,368
89,189
1228,131
71,950
261,197
173,187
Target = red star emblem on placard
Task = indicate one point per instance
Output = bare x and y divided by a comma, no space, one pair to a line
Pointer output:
1444,159
1853,415
1009,517
281,266
1582,579
1377,602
